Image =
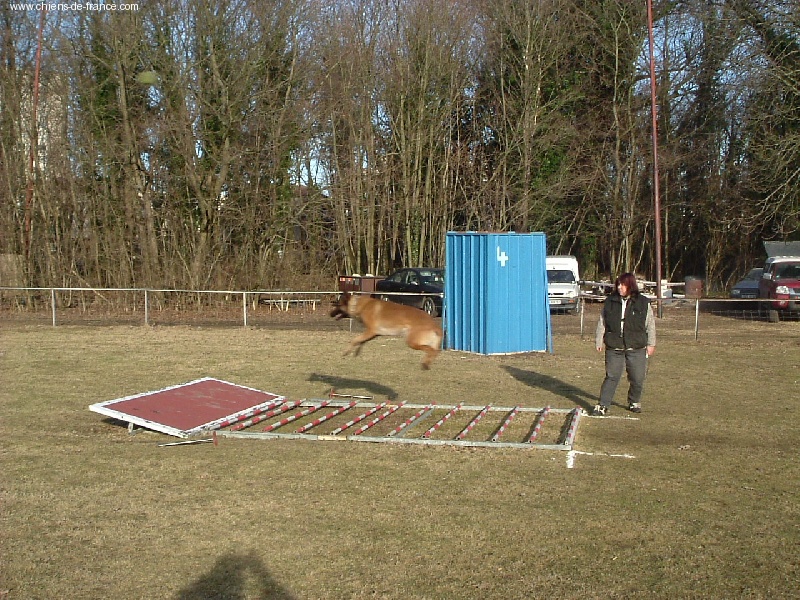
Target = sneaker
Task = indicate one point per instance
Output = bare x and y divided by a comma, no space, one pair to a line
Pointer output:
599,410
635,407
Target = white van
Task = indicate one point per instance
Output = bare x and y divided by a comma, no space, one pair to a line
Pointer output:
563,282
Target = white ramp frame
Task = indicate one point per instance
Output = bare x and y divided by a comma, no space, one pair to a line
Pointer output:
106,408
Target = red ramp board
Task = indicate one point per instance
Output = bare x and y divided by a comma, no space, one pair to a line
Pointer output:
189,408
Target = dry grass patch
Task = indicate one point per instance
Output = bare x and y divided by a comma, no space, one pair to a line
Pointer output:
708,508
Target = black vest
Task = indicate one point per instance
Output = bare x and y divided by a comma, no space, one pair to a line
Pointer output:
634,334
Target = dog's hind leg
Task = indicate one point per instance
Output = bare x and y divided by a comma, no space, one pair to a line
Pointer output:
429,342
430,354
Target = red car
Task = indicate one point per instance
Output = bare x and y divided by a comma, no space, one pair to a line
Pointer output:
780,284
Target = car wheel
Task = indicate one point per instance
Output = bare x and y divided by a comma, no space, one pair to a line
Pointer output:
774,317
428,306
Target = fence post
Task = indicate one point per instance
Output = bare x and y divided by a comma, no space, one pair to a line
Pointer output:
53,304
696,317
244,307
146,309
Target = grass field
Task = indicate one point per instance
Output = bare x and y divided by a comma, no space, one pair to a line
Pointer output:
707,507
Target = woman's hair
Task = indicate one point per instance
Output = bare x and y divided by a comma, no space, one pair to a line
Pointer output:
629,281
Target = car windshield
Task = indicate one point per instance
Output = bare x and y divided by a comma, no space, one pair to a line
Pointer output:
790,271
560,276
754,274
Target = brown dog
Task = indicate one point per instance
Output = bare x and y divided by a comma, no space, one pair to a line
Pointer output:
389,318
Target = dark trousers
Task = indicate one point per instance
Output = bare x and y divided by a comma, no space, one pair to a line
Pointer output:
634,362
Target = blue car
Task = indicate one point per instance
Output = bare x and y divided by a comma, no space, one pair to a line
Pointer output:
747,288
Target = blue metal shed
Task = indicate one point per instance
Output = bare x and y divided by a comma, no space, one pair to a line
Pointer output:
495,296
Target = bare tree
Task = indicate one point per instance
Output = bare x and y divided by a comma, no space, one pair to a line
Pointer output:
773,115
15,59
426,62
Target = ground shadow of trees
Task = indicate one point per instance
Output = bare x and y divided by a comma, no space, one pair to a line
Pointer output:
344,384
574,394
233,577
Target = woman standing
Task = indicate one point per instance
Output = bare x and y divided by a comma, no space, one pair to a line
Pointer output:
627,332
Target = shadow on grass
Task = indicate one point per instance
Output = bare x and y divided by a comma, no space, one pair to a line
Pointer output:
556,386
346,385
232,578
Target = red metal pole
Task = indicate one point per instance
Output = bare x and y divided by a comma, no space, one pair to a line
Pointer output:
267,415
296,416
441,421
506,423
472,423
410,420
359,418
379,418
539,422
330,415
656,192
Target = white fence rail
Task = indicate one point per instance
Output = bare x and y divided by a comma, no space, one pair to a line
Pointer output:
64,301
281,300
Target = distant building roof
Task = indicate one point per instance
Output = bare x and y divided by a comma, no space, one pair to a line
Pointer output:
782,248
